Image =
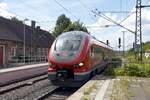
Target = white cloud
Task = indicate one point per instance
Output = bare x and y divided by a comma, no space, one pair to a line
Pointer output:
3,5
3,10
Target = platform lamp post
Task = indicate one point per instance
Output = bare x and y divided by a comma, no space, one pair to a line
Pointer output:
123,43
24,39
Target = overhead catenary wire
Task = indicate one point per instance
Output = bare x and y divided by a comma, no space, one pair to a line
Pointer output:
126,6
87,8
109,19
83,4
118,12
96,26
121,7
66,9
126,11
126,17
115,12
23,2
90,13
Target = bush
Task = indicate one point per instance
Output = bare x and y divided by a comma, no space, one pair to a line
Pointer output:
147,70
119,72
116,62
140,70
110,71
131,70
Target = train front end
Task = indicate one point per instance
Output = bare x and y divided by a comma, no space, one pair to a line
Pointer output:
67,57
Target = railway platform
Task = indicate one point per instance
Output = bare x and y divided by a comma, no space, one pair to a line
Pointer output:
10,75
21,67
114,88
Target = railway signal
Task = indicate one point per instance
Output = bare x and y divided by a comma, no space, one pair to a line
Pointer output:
119,42
107,42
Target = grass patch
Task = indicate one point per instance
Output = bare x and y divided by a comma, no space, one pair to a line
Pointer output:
88,91
120,89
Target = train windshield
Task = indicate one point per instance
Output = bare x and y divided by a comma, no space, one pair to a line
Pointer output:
71,43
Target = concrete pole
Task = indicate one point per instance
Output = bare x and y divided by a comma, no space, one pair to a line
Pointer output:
123,43
24,39
24,44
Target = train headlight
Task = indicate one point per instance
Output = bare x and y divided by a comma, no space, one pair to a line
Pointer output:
81,64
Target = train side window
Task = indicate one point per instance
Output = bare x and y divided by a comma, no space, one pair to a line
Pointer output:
97,50
92,49
103,54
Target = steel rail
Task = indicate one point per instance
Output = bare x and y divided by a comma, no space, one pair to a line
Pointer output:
23,79
47,94
3,91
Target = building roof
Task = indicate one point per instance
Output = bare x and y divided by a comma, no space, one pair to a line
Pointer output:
7,34
12,30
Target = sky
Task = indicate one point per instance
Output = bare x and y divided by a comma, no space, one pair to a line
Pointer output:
46,12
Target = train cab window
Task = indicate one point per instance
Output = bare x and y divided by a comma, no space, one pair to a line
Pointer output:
68,43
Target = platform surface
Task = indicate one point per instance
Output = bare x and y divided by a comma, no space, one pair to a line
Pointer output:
114,88
22,67
15,74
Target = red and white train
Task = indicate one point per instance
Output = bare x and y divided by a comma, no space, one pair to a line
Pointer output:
74,57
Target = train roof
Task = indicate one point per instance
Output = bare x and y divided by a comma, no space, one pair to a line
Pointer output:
96,41
73,33
101,43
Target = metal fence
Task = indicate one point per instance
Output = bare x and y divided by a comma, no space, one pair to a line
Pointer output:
28,59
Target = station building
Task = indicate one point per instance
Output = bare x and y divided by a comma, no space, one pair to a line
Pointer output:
20,43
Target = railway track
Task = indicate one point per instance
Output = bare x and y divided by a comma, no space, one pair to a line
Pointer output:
38,88
58,93
20,90
47,94
14,86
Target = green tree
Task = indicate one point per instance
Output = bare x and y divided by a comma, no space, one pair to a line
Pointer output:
64,24
16,20
146,46
61,24
76,26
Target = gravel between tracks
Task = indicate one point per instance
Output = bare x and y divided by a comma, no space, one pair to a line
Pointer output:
27,92
62,94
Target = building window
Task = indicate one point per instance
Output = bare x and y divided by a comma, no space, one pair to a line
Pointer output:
38,51
46,51
13,51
